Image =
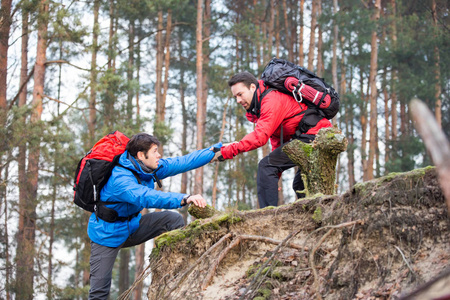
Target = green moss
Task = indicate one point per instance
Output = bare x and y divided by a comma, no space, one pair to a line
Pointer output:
317,215
268,207
265,293
170,238
307,149
330,135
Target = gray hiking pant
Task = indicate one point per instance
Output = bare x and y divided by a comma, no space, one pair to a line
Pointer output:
102,258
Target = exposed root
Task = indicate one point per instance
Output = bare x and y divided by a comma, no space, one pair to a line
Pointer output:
212,269
314,249
275,251
142,276
191,268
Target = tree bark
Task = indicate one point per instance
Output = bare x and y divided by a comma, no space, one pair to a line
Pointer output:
130,70
124,271
317,161
198,184
25,253
437,69
394,75
373,91
216,168
301,54
166,64
312,36
287,33
93,92
109,100
159,66
320,66
5,26
182,88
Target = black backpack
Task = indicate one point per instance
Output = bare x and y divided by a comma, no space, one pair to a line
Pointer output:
305,86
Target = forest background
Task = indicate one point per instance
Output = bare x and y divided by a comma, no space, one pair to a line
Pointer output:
72,71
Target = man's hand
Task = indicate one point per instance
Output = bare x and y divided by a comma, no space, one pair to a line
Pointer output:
197,200
217,157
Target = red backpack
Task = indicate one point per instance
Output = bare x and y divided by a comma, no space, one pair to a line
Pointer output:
95,168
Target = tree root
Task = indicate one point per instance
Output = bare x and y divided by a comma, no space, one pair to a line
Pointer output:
314,249
234,243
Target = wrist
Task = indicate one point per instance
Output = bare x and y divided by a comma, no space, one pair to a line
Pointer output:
184,200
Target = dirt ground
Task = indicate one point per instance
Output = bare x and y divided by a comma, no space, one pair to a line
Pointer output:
382,239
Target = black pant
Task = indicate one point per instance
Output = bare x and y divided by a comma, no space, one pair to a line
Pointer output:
102,258
269,172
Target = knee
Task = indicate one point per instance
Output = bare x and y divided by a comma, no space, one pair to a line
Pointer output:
175,220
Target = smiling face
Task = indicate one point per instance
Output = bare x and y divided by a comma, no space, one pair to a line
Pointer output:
243,94
151,158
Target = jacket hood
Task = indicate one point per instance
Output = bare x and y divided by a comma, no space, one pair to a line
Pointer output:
130,162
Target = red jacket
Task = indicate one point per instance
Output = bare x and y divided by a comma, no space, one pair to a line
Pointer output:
276,109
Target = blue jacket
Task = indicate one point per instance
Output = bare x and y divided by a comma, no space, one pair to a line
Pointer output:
123,187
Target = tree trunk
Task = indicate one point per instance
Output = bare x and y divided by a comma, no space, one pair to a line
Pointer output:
277,32
198,184
166,64
317,161
312,36
270,31
394,75
109,100
130,70
287,33
205,61
27,214
386,117
124,271
301,53
5,25
373,92
93,93
437,69
216,168
159,67
320,66
334,72
140,261
182,87
138,73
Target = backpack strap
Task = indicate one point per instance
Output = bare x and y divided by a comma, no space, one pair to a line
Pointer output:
108,214
258,103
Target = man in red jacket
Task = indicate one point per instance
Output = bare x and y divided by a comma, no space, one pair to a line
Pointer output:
277,117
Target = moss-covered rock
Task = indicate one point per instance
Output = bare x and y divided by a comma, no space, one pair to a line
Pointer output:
202,213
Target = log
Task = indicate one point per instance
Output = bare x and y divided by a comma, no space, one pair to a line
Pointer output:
317,160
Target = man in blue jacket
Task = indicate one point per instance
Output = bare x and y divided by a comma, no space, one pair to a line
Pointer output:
129,190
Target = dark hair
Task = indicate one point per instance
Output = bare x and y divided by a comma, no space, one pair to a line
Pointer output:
245,77
141,142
